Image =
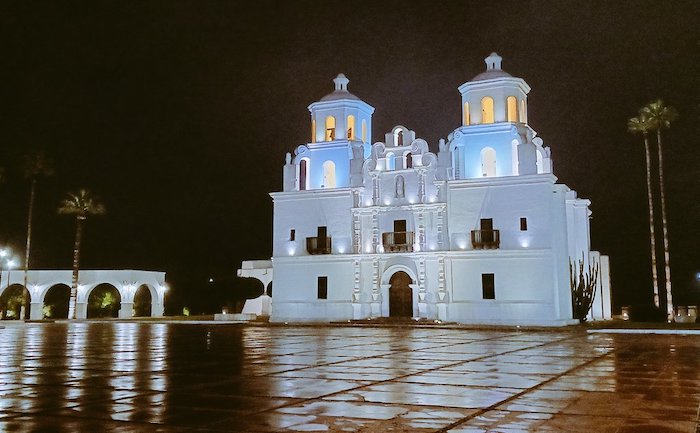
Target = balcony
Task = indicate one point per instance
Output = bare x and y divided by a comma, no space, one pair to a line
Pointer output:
318,245
400,242
486,239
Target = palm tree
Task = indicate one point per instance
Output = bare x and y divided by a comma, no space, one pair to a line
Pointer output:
81,205
36,165
642,125
660,117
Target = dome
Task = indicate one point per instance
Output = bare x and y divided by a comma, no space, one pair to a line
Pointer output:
490,75
341,90
493,69
339,94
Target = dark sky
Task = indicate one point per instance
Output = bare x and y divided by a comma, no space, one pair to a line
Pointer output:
178,115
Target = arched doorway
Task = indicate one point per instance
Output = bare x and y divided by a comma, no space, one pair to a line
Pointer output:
400,295
56,302
142,302
104,301
11,302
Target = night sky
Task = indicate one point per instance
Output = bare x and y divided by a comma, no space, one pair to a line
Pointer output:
179,114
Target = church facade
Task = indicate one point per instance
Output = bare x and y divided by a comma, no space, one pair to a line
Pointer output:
479,232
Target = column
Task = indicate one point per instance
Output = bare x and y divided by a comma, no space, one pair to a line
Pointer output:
36,311
376,305
442,290
356,294
81,310
127,310
422,306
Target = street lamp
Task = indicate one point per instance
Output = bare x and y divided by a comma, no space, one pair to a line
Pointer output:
4,252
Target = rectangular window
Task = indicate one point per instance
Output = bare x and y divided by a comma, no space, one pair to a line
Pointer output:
292,234
488,286
399,225
322,287
523,224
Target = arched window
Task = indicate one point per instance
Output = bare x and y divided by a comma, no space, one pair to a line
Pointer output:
512,105
351,127
303,174
330,128
328,174
487,109
466,114
390,161
313,130
398,137
488,162
409,160
400,187
523,118
364,131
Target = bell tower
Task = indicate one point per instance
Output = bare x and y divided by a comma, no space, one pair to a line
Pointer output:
341,137
495,139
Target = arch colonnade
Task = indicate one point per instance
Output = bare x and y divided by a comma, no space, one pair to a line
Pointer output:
126,282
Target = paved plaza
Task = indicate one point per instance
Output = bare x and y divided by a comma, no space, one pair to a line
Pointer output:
178,377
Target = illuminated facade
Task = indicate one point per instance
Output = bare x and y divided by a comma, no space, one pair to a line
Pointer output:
479,232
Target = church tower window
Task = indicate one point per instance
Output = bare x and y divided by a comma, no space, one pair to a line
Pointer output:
398,137
487,110
523,118
364,131
390,161
512,105
466,114
329,174
313,130
351,127
303,174
330,128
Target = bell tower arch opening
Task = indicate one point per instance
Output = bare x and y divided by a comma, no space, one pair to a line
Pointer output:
488,162
487,114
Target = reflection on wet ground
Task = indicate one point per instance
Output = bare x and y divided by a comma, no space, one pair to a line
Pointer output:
149,377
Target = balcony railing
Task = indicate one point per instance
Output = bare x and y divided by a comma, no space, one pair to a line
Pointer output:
486,239
318,245
398,241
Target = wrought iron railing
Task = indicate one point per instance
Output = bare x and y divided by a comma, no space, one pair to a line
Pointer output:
486,239
318,245
397,241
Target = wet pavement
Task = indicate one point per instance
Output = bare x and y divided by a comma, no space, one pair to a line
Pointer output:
177,377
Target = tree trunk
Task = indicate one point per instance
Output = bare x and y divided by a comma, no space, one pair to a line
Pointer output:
27,251
667,266
72,306
652,234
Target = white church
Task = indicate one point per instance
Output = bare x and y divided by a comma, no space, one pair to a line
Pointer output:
478,233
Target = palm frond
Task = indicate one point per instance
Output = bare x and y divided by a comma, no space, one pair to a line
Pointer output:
639,124
660,116
37,164
81,205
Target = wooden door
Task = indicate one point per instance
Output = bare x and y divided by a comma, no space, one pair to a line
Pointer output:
400,295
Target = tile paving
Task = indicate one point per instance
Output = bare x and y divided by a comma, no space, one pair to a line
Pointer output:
173,377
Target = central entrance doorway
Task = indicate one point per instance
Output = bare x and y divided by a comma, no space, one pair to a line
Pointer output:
400,295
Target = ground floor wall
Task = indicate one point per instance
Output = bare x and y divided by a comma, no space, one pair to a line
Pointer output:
519,287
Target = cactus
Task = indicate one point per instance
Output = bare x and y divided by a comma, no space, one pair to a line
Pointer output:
583,285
